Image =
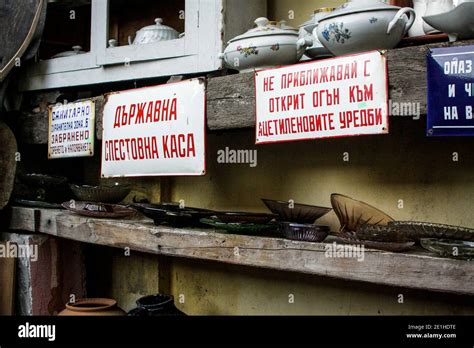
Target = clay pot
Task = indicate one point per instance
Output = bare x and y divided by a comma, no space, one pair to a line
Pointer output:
93,307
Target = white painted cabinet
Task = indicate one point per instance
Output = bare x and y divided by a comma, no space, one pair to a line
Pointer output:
208,24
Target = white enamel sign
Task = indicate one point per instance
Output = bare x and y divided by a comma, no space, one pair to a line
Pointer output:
336,97
71,130
155,131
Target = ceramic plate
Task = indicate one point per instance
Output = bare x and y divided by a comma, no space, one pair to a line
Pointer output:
449,248
385,246
38,204
237,228
99,210
381,233
245,218
417,230
173,215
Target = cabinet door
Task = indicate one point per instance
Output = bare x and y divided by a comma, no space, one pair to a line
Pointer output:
68,24
184,15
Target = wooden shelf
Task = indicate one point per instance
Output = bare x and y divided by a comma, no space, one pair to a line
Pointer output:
412,270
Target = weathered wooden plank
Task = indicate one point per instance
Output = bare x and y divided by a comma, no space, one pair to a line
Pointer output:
407,73
231,102
414,270
33,128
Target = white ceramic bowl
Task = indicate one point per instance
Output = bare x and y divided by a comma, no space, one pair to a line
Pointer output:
266,46
359,31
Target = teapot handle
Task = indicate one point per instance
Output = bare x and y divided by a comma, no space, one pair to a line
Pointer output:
398,16
302,44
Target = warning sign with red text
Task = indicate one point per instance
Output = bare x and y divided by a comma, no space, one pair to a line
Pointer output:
155,131
344,96
71,130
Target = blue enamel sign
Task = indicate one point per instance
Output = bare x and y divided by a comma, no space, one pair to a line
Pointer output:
451,91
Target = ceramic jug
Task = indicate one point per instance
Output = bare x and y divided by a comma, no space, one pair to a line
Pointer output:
155,305
435,7
420,9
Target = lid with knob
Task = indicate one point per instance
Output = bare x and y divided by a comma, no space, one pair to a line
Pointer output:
264,27
159,26
353,6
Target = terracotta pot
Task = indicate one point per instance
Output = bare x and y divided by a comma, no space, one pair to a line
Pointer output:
93,307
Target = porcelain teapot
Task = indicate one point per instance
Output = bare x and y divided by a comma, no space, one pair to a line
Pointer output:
154,33
434,7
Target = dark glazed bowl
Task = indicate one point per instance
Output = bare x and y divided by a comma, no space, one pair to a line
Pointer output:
304,232
300,213
103,194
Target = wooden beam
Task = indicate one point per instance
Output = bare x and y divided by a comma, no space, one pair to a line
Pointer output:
231,98
414,270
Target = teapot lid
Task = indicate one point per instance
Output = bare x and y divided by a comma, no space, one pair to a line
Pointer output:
356,6
264,27
158,26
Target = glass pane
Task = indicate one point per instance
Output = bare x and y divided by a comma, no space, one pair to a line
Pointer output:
68,25
127,17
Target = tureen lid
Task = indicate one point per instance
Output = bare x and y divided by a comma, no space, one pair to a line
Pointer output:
356,6
157,26
265,28
75,50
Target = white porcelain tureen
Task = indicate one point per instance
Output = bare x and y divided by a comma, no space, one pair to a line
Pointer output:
155,33
364,25
269,44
